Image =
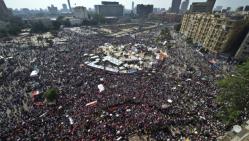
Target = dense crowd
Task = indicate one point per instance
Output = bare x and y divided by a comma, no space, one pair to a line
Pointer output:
172,101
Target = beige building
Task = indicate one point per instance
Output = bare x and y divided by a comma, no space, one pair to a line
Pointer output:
80,12
212,31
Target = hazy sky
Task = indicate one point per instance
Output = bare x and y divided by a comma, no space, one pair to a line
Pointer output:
36,4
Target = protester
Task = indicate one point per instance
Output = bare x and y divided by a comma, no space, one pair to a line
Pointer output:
172,101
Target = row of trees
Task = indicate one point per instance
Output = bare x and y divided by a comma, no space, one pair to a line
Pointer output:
51,95
164,35
40,27
234,95
12,26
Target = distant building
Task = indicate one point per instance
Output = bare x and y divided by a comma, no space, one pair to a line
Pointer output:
64,7
110,9
200,7
157,10
228,9
144,10
218,8
4,12
133,7
246,8
184,6
175,7
213,31
210,5
25,11
224,11
80,12
239,9
243,52
52,9
69,5
167,17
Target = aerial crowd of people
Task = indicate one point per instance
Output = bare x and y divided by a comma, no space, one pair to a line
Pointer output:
174,100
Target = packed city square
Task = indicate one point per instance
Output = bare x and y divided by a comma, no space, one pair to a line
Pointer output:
174,99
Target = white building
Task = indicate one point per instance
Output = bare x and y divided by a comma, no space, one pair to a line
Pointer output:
80,12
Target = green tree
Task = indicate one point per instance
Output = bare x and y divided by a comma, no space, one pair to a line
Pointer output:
165,34
13,26
177,27
236,36
61,21
99,19
234,94
38,27
189,41
51,94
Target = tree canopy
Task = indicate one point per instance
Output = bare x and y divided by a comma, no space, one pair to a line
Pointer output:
51,94
177,27
234,94
13,26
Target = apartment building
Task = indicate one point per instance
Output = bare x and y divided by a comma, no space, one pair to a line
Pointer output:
212,31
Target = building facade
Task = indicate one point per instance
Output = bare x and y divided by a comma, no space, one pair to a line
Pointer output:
80,12
64,7
212,31
175,7
198,7
52,9
110,9
144,10
201,7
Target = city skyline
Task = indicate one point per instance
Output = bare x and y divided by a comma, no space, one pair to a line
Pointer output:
127,3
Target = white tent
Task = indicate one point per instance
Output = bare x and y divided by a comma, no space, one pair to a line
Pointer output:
34,73
101,88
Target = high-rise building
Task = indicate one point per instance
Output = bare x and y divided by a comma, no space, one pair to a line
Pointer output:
133,6
52,9
210,5
144,10
199,7
69,5
4,12
175,7
64,7
184,6
110,9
